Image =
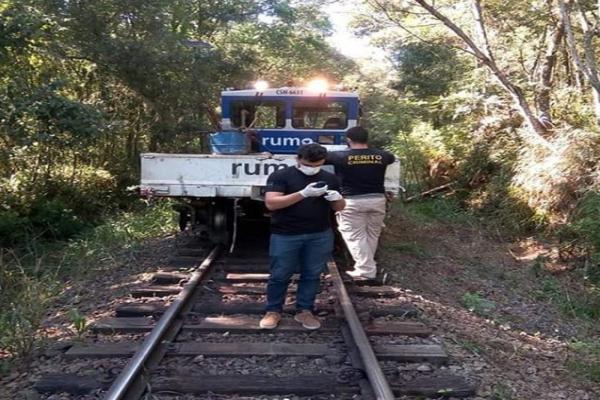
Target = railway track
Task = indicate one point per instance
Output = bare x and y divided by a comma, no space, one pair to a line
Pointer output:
193,334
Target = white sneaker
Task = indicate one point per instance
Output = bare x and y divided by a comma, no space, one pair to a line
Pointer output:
357,274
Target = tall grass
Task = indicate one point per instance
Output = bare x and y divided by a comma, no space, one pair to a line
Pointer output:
34,276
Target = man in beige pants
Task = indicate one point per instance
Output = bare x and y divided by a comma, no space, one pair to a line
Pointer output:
362,172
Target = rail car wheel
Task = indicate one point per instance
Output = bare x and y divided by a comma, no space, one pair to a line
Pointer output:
220,221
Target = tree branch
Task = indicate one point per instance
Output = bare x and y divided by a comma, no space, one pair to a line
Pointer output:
588,47
547,69
588,68
536,128
480,26
378,5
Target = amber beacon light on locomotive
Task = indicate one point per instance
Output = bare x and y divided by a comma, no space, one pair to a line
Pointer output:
261,129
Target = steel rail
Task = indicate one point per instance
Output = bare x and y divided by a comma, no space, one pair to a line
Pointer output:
135,366
380,385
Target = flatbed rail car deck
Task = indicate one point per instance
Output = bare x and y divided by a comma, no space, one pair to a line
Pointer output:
208,175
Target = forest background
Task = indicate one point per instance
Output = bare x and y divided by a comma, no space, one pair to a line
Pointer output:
497,103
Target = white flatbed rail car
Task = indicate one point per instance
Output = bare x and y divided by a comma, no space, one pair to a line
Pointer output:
231,176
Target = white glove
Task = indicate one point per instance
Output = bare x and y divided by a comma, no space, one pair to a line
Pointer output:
312,191
333,195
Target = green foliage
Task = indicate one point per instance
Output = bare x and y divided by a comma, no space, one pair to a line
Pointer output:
412,248
485,183
549,289
69,202
47,117
13,227
79,321
33,278
427,69
387,116
477,304
414,158
440,131
128,229
291,48
445,210
25,292
586,222
86,87
504,206
454,112
573,108
54,219
586,226
583,304
585,360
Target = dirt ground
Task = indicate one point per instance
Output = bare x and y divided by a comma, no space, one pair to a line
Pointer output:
482,293
478,290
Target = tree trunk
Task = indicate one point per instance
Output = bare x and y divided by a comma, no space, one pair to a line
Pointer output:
588,67
537,131
571,80
153,143
545,78
129,144
590,60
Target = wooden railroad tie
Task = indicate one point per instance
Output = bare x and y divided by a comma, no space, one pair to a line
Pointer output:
257,308
162,278
255,289
250,324
302,385
402,353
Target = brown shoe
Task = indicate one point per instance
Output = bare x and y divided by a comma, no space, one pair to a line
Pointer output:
308,320
270,320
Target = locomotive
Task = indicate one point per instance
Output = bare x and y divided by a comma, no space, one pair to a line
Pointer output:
260,131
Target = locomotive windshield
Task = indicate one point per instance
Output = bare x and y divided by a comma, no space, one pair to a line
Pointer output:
258,114
319,115
285,118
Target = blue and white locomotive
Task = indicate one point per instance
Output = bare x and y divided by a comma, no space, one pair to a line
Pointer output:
284,118
261,130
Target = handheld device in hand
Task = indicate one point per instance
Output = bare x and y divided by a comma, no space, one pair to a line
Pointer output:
320,184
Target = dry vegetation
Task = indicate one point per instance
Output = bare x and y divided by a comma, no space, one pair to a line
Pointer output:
523,330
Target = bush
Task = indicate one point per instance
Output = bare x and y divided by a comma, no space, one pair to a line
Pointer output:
586,227
90,192
25,290
427,69
586,220
54,220
12,228
32,280
552,180
67,203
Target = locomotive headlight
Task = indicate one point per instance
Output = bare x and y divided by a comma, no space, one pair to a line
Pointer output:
318,85
261,85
